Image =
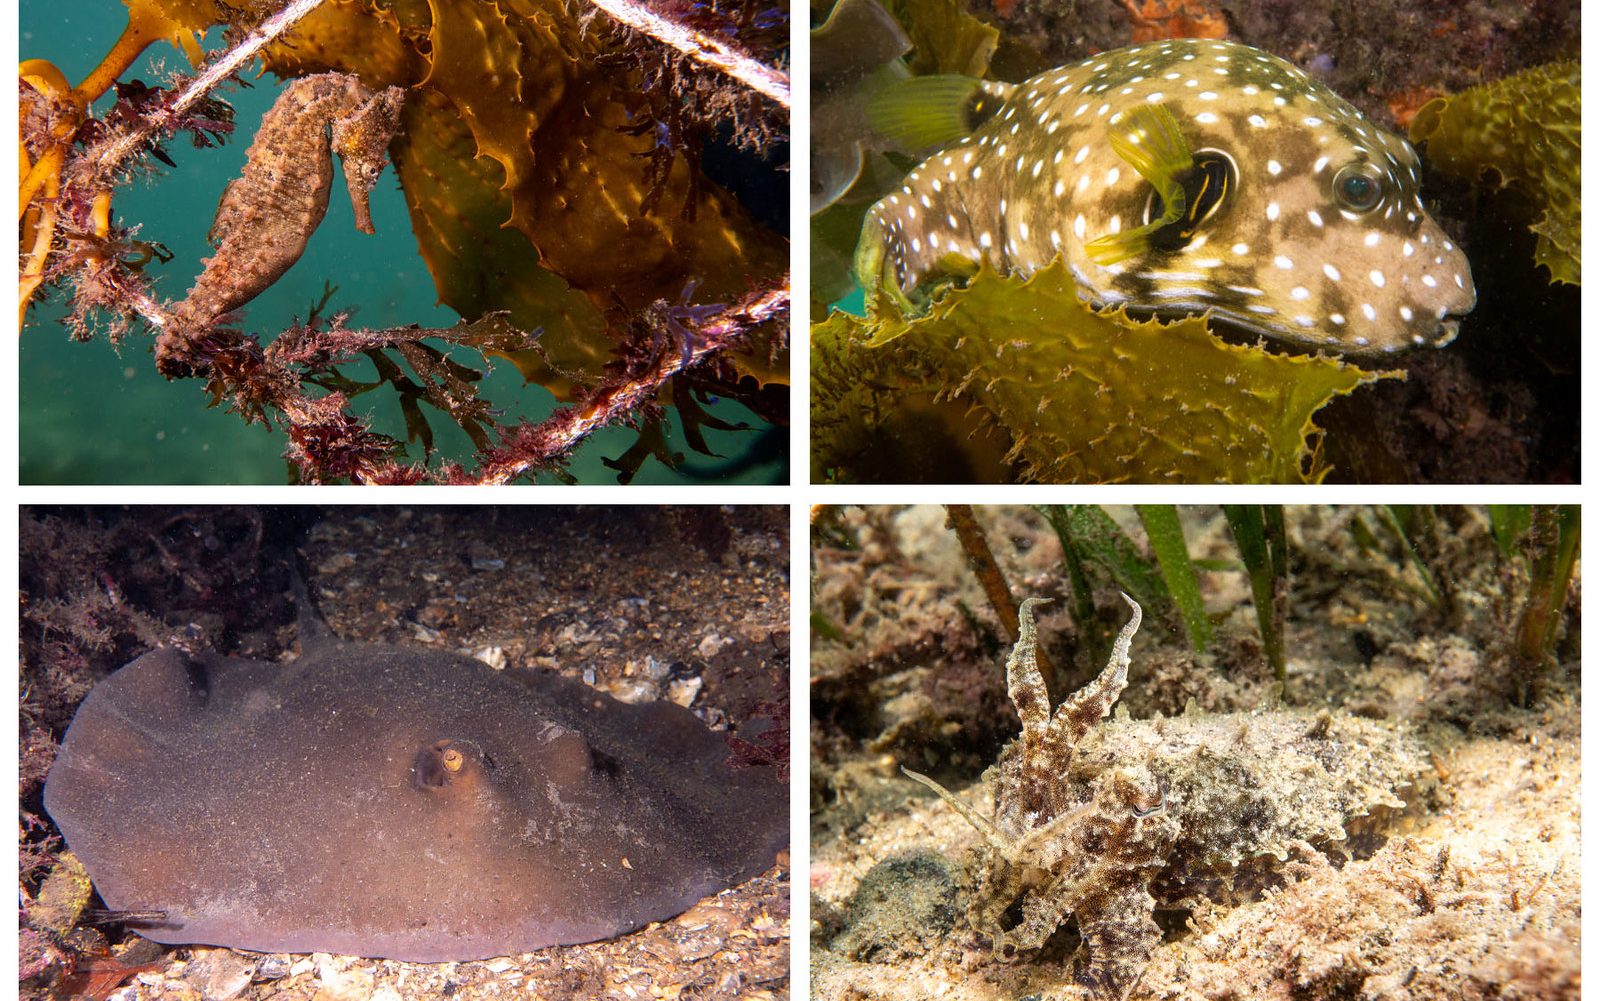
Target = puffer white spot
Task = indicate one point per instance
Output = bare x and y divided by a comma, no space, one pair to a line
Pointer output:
1376,277
1283,262
1332,272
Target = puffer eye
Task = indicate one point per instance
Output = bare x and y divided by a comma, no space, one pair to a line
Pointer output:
1358,187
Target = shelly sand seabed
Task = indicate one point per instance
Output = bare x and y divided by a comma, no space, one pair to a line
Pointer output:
688,605
1470,890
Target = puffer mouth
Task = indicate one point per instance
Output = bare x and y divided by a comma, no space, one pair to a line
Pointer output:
1244,329
1449,327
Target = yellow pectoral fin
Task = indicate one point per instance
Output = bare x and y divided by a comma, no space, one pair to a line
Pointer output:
1149,140
922,113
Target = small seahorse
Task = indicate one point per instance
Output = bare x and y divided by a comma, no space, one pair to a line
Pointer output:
269,212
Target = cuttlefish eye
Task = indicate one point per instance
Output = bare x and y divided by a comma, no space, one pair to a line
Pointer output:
1358,187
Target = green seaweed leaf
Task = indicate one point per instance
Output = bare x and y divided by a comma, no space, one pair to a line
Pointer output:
1165,533
1552,543
1526,128
1095,549
945,38
1078,395
1258,531
525,184
1509,522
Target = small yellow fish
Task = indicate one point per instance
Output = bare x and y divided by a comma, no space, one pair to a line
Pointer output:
1183,176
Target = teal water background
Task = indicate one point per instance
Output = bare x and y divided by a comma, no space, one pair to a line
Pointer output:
90,414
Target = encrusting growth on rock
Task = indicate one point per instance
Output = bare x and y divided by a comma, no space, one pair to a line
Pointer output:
1107,822
268,213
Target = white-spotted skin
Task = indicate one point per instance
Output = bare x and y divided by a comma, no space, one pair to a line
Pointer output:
1282,255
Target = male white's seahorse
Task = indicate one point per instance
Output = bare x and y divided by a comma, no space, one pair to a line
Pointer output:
268,213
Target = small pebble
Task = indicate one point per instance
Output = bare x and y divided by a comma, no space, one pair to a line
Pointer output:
684,690
635,691
710,645
219,974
